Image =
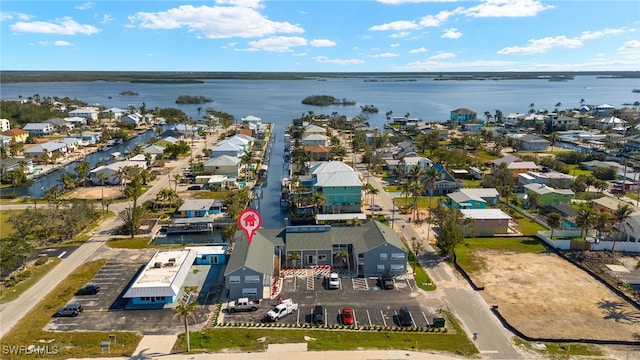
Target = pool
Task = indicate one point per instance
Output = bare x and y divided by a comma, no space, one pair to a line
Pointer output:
566,224
207,237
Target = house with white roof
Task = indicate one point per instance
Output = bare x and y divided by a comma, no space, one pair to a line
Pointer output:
193,208
39,129
85,112
314,139
239,141
5,140
513,119
75,121
551,178
112,172
134,119
223,165
90,137
114,113
226,148
161,280
340,185
72,143
252,120
408,162
473,198
50,148
314,129
610,122
486,222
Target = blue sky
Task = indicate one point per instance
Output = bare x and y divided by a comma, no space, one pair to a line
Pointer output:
323,36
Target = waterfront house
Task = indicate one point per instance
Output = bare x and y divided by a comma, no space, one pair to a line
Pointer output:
61,125
549,195
314,139
529,142
314,130
473,198
178,135
250,119
340,185
5,125
194,208
11,164
17,135
561,122
90,137
210,254
610,122
75,121
249,271
486,222
154,150
223,165
114,113
513,119
39,129
318,152
50,149
84,112
113,171
72,143
604,109
238,141
134,119
227,148
462,115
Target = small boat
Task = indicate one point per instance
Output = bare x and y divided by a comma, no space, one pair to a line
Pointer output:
635,90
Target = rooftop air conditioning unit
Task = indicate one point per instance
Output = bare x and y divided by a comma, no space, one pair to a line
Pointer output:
157,265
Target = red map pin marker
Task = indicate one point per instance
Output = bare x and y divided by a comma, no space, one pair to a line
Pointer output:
249,221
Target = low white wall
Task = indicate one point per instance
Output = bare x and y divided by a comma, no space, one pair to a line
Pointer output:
564,244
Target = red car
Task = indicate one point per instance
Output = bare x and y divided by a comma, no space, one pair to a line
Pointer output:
347,316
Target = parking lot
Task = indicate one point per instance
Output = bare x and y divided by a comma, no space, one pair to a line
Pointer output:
105,311
370,303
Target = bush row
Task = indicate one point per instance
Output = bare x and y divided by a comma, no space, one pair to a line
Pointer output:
335,326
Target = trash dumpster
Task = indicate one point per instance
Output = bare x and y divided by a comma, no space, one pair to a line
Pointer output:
438,323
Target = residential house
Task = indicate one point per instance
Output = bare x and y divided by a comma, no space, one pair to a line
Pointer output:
227,148
314,139
487,222
314,130
223,165
237,140
473,198
549,195
5,140
194,208
154,150
611,204
75,121
445,183
50,149
60,125
186,129
250,119
513,119
507,159
529,142
134,119
610,122
112,172
72,143
340,185
210,255
443,134
521,167
5,125
39,129
552,178
561,122
590,165
11,164
318,152
462,115
250,269
85,112
17,135
114,113
90,137
408,162
179,135
604,109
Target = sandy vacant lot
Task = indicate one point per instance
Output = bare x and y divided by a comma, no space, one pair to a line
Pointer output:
95,192
545,296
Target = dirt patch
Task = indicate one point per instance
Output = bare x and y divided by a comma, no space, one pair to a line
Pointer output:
545,296
96,192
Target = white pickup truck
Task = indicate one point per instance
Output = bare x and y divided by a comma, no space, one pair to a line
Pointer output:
243,304
283,309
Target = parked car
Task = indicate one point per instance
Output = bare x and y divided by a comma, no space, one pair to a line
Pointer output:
283,309
347,316
387,283
404,317
334,281
318,314
376,207
89,290
71,310
243,304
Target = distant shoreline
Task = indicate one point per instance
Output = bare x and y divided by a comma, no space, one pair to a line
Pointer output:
172,77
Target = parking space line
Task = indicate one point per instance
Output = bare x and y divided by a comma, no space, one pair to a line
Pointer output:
355,321
425,319
383,319
369,316
409,283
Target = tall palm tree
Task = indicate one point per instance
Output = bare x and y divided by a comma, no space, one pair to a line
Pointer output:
343,256
553,139
621,214
554,220
186,312
585,220
431,178
373,191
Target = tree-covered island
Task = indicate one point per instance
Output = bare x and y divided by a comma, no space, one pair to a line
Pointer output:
325,100
188,99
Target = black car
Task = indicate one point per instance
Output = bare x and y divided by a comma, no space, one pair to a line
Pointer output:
71,310
89,290
387,282
404,317
318,315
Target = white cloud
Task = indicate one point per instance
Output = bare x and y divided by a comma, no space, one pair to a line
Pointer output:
215,22
8,15
437,19
452,33
633,45
277,44
326,60
62,43
400,35
394,45
538,46
442,56
254,4
384,55
85,6
64,26
398,2
396,26
447,65
506,8
107,18
418,50
322,43
591,35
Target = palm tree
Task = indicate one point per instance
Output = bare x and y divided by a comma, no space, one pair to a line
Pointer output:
554,220
553,139
585,220
176,178
602,222
186,312
293,257
533,201
621,214
343,256
246,160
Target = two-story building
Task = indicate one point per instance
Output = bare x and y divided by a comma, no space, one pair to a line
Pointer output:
340,186
462,115
549,195
84,112
223,165
5,125
17,135
473,198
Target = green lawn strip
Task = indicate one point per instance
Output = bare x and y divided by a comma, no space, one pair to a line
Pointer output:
29,330
37,272
471,264
574,170
137,243
245,339
484,156
217,195
562,350
419,274
392,188
423,201
5,227
526,226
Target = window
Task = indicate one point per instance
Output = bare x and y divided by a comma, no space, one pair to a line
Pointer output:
381,268
234,279
397,256
322,257
252,279
397,267
383,256
249,291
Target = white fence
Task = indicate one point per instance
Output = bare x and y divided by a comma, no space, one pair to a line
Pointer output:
561,243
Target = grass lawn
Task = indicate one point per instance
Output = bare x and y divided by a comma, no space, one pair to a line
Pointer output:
419,274
574,170
392,188
470,263
484,156
136,243
37,272
5,228
423,201
471,183
563,350
244,340
68,344
528,227
217,195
